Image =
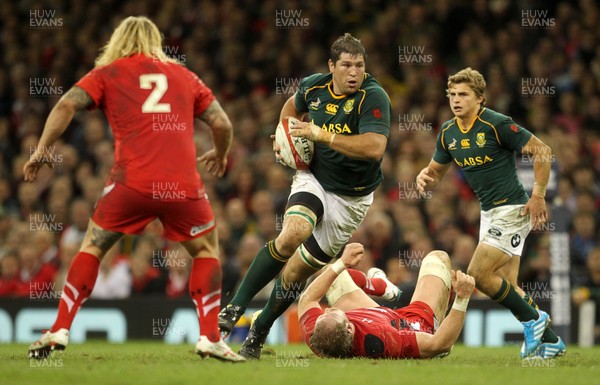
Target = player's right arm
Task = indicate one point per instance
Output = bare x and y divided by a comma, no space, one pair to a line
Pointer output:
222,130
430,176
59,119
448,332
353,253
289,109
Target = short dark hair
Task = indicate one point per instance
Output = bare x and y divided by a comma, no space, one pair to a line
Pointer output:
346,44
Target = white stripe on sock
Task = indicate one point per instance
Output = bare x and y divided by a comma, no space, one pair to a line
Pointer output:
210,306
73,290
65,297
205,298
197,309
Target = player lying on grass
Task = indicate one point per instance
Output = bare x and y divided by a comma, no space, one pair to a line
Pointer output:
356,326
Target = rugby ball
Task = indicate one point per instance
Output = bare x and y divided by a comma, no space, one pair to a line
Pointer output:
296,152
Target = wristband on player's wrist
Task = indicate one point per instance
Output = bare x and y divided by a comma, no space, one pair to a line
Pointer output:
331,139
460,304
338,266
317,133
539,190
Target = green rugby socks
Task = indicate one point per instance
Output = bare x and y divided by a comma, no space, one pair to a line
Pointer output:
508,297
282,296
265,266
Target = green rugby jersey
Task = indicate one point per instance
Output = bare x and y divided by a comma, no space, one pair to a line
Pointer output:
486,154
367,110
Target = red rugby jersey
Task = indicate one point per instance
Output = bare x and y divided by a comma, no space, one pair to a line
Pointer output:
377,333
151,106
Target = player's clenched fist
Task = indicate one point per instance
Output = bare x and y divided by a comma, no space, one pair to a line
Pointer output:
353,254
463,284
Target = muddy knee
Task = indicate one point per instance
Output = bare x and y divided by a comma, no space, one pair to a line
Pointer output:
436,263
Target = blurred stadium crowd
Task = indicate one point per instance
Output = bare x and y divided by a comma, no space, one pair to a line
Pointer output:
541,61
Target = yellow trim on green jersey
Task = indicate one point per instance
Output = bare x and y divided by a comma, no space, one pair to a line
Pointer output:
444,131
488,165
361,99
312,88
333,95
336,172
472,123
493,127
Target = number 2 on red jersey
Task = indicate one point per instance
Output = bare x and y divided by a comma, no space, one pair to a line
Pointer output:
152,103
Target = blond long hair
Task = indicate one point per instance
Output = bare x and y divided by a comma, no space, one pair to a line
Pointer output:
135,35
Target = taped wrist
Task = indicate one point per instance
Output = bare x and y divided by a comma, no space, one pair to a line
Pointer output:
460,304
539,190
338,266
320,135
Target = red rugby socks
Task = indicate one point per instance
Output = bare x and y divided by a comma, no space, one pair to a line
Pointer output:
372,286
79,284
205,290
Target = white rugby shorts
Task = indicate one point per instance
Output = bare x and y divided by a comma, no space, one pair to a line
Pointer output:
341,214
504,228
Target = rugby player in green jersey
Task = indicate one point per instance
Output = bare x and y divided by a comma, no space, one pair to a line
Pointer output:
348,119
483,143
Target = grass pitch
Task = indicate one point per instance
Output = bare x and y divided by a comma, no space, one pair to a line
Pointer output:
150,363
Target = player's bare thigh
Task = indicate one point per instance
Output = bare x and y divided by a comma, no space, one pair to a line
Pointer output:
487,260
296,229
296,270
98,241
433,285
205,246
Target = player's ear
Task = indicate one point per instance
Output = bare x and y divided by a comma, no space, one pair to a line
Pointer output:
331,65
